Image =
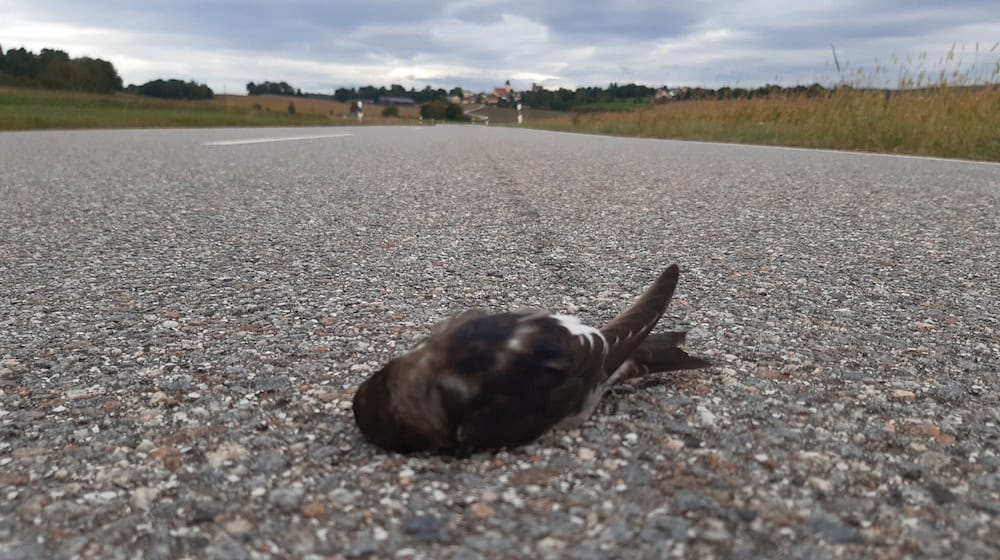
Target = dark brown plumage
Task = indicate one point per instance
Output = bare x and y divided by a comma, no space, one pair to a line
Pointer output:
483,381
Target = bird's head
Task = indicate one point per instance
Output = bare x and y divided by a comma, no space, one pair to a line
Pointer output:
371,409
398,407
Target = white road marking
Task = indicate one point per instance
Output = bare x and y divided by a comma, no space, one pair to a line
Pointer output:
845,152
796,149
273,139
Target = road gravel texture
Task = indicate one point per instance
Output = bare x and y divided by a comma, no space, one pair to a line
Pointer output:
182,327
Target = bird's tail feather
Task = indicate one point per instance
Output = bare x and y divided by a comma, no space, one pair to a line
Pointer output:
659,352
625,333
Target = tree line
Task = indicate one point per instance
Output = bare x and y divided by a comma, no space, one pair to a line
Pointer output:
366,93
592,98
688,93
172,89
54,69
272,88
375,94
564,99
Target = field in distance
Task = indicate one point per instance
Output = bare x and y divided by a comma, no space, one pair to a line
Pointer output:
26,109
280,103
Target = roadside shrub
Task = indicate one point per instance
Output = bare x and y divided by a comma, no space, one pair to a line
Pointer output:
443,111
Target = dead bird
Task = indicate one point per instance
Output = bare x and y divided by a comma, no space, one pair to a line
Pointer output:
485,381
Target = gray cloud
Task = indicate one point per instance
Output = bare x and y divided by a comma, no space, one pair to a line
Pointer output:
479,43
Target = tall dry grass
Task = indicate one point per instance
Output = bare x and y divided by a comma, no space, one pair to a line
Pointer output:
936,110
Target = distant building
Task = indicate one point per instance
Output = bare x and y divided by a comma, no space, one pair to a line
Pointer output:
503,92
666,93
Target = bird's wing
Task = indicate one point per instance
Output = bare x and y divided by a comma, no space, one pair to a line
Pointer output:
453,322
626,332
510,377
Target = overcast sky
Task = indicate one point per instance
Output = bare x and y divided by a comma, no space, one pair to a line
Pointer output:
318,45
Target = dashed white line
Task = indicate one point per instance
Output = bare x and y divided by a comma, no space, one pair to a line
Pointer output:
845,152
272,139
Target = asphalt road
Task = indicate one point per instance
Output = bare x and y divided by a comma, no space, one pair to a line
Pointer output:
183,321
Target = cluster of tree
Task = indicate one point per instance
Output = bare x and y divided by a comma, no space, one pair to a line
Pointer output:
687,93
54,69
172,89
273,88
374,94
564,99
443,111
567,100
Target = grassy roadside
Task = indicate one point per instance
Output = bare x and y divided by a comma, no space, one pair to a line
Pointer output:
950,122
22,109
942,120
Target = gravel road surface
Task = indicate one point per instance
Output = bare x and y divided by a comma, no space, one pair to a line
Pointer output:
182,327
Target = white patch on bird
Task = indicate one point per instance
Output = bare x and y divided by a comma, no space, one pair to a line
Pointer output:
456,385
576,328
643,329
523,332
514,344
